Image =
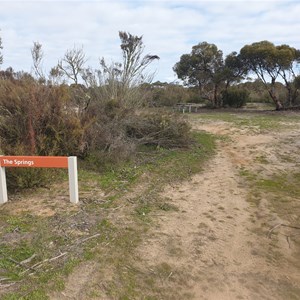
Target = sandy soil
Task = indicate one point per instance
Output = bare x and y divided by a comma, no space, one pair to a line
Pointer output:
215,245
214,237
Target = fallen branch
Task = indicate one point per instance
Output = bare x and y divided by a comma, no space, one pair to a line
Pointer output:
86,239
28,260
6,285
19,263
57,257
41,263
170,275
279,225
288,237
294,227
272,229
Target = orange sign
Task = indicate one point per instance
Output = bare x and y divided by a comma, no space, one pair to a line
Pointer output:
34,161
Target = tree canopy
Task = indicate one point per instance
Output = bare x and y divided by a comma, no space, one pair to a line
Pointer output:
269,61
206,69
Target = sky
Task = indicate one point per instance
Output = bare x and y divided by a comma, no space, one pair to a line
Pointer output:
170,28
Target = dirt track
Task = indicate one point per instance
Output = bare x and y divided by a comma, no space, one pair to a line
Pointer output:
216,240
215,245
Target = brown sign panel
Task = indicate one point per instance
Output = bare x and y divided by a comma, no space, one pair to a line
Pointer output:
34,161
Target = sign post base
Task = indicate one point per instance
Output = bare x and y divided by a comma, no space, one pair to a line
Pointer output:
3,187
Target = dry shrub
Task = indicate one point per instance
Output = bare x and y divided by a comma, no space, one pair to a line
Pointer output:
117,132
36,119
40,119
106,137
159,128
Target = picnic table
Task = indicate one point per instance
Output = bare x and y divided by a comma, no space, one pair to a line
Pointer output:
188,107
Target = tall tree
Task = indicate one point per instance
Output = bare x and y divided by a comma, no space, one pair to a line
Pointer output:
204,68
235,70
262,59
287,58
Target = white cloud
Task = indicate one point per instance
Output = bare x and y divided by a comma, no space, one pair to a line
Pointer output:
169,28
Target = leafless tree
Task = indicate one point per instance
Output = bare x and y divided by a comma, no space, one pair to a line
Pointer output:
72,64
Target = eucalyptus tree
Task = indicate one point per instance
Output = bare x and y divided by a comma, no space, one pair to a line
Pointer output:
203,68
270,62
56,76
260,58
288,58
234,69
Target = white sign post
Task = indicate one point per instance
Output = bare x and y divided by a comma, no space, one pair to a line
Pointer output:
40,162
3,188
73,179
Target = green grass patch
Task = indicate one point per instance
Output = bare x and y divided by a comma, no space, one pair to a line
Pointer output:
258,122
283,193
23,223
281,190
10,258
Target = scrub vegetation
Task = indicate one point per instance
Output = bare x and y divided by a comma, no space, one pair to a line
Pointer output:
172,205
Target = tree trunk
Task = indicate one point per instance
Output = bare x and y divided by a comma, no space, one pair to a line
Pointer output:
272,94
289,94
279,105
215,96
276,101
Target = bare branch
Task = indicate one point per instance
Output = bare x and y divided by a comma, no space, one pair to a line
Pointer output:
37,55
72,64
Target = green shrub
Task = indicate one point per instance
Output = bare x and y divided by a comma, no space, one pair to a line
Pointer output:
234,97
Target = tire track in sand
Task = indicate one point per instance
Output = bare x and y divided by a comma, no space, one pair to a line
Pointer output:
209,243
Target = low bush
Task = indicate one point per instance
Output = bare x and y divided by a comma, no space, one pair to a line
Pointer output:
159,129
234,97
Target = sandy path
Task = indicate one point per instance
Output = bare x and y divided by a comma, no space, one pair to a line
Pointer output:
214,246
211,239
